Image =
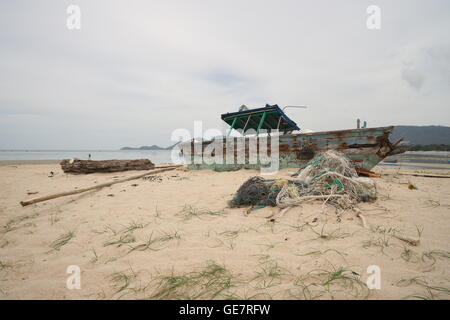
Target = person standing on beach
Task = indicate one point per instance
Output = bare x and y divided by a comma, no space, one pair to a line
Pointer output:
89,156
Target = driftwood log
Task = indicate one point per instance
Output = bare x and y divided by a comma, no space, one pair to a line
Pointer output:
99,186
91,166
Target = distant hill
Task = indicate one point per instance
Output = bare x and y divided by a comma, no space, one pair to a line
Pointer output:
153,147
422,135
413,135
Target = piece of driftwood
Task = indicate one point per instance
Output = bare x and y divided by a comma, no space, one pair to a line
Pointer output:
107,184
426,175
91,166
360,215
367,173
363,220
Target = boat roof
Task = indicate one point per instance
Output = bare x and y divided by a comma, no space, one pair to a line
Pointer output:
270,117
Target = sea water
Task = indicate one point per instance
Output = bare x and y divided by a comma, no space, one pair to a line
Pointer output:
156,156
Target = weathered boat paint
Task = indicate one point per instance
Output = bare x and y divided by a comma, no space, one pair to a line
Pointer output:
366,147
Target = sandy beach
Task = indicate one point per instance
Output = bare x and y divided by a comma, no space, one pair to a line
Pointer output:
173,236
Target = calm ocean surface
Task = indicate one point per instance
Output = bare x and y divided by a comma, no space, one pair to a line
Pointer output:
164,156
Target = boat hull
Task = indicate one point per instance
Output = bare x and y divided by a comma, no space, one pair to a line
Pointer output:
365,147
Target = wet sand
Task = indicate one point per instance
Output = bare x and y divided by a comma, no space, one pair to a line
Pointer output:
21,162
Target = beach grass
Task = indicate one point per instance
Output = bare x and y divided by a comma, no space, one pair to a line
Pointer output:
190,211
121,240
212,281
381,243
154,243
331,235
432,292
322,252
122,280
331,283
269,275
133,225
409,255
14,223
62,240
433,255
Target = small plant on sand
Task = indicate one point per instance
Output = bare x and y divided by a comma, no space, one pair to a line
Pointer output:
419,230
262,257
95,258
335,234
5,265
13,265
382,243
348,279
108,229
304,292
431,292
133,225
168,236
173,287
125,236
147,245
269,275
122,240
215,212
432,255
299,227
14,223
383,230
318,252
229,243
157,213
270,245
54,218
211,282
234,233
153,243
409,255
407,282
333,282
62,240
122,280
190,211
431,203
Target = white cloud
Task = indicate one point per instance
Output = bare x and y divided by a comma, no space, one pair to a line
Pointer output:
137,70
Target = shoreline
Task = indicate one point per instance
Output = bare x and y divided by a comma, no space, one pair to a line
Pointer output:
27,162
40,162
409,166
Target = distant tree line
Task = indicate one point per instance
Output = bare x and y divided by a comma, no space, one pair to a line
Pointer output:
430,147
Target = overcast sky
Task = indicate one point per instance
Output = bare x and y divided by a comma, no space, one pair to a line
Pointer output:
137,70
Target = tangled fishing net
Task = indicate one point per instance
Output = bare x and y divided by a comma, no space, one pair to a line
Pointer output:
253,192
329,177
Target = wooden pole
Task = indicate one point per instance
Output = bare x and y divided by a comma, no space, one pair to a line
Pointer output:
107,184
425,175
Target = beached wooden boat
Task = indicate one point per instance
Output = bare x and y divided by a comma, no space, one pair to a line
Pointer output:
366,147
390,160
